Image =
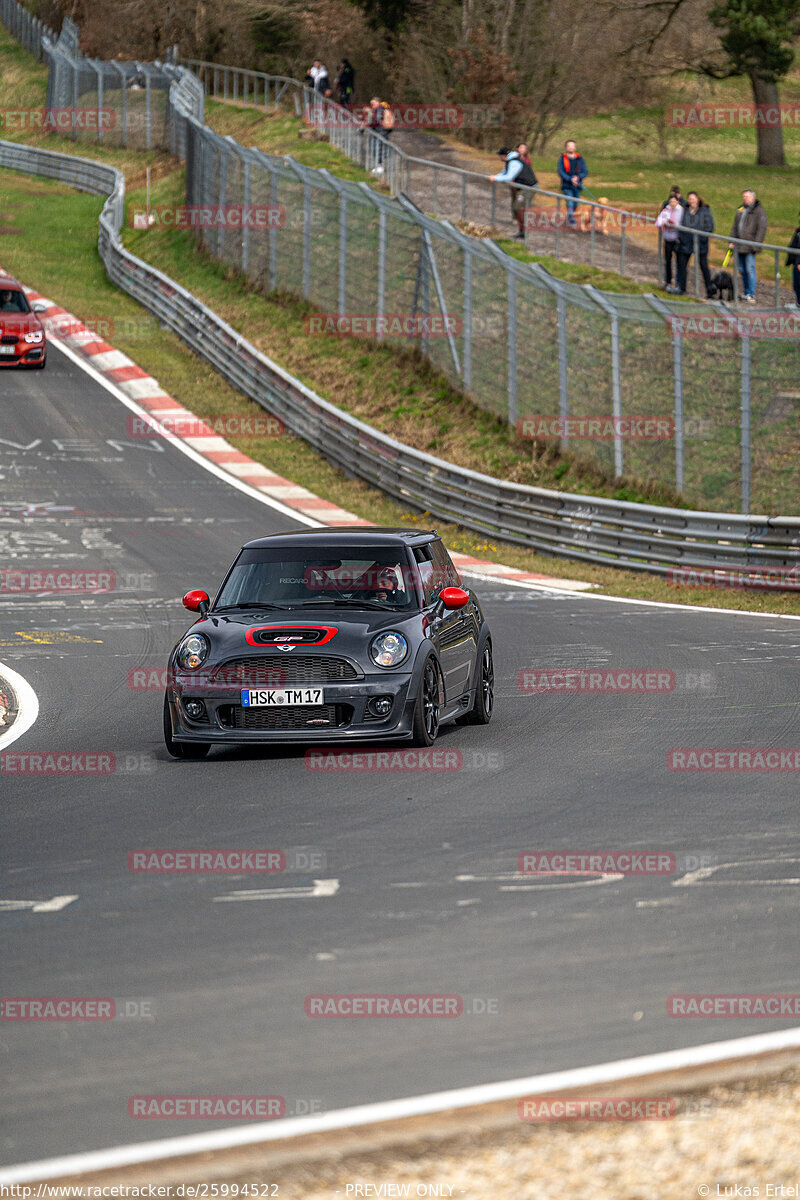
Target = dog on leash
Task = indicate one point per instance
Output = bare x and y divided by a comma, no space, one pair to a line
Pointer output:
721,286
601,218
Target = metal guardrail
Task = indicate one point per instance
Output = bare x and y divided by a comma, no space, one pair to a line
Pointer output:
589,529
453,193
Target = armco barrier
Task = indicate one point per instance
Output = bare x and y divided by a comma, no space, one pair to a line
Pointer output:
590,529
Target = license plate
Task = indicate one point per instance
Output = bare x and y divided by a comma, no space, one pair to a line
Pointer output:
279,697
8,349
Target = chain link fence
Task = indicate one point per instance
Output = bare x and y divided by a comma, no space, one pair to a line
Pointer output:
677,393
27,29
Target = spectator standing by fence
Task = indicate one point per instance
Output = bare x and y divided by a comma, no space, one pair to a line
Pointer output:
793,261
345,82
572,170
319,77
380,121
699,218
670,216
516,170
749,224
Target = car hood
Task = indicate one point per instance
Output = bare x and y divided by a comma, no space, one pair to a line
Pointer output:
336,631
19,323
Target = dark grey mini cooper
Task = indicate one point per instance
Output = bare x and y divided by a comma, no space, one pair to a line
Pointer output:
330,635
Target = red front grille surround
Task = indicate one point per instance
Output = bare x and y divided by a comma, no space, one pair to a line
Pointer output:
283,637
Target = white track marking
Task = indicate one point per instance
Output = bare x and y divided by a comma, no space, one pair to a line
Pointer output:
320,887
54,904
395,1110
207,465
28,706
684,608
696,877
540,887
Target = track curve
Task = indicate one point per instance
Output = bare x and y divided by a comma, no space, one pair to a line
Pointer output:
577,974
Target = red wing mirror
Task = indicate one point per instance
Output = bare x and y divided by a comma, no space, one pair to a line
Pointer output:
196,601
453,597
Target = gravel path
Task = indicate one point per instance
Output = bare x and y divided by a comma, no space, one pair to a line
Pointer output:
745,1134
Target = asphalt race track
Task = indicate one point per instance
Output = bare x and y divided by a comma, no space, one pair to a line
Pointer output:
554,972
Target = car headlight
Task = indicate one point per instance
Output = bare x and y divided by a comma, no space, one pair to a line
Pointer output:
34,337
193,651
388,649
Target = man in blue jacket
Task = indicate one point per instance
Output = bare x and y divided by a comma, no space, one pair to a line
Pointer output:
572,171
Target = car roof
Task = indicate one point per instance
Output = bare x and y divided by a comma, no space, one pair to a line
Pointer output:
346,535
7,284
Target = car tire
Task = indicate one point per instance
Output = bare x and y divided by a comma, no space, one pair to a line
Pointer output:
483,705
181,749
425,726
40,365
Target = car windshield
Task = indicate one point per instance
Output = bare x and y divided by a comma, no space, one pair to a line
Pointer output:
13,301
353,577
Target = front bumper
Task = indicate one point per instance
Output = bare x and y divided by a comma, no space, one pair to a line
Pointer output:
25,355
344,716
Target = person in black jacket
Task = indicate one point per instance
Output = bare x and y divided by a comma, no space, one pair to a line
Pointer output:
793,261
345,82
697,216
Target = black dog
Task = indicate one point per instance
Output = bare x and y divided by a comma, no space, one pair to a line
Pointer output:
721,282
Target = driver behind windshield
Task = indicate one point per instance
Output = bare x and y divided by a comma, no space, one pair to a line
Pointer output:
10,301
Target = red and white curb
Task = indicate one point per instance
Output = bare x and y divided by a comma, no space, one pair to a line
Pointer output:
145,391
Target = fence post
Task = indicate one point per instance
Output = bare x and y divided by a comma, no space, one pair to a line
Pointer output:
745,422
306,241
246,221
466,330
148,112
74,69
592,237
422,292
777,277
99,73
381,264
123,87
511,303
222,195
622,246
342,292
563,378
273,234
677,380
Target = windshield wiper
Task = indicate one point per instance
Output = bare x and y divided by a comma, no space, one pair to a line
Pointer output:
345,601
249,604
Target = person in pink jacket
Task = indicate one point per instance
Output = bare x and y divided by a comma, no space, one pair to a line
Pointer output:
670,216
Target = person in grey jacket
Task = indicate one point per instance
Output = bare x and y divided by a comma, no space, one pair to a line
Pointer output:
749,224
698,217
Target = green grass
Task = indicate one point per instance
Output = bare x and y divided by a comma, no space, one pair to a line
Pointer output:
54,250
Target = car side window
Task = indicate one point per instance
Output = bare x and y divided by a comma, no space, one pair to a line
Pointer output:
427,573
444,565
